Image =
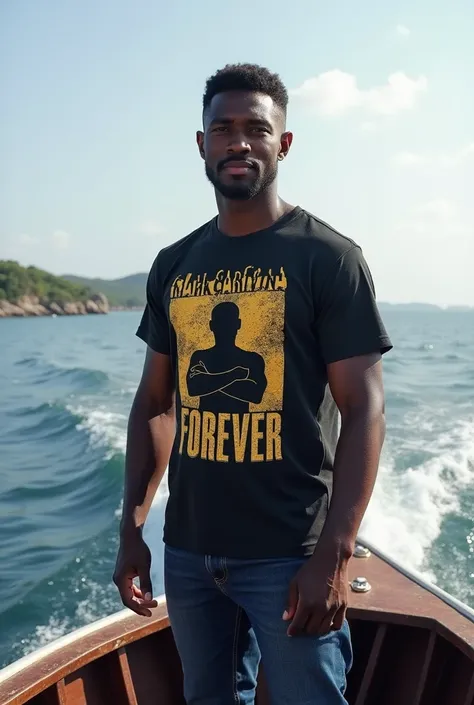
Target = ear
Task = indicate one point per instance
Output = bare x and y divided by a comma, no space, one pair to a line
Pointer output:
285,144
200,142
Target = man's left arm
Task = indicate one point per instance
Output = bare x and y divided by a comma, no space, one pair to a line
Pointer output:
250,390
352,340
357,388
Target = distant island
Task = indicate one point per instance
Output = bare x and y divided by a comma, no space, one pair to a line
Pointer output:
29,291
127,292
421,307
36,292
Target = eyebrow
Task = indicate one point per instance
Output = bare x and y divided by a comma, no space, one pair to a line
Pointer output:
228,121
221,121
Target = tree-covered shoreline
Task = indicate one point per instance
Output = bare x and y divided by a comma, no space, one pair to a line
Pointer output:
30,291
17,281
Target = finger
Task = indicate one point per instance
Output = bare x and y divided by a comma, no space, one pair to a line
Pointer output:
129,599
320,622
145,583
339,618
139,595
292,603
298,624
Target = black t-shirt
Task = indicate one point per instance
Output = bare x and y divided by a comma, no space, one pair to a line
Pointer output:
250,324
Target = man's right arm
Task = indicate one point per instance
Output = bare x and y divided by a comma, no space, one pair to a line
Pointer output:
201,382
151,431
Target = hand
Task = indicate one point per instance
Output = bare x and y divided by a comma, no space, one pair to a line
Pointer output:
134,560
318,595
199,369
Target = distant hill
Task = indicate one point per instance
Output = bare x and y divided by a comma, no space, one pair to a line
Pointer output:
17,281
29,291
409,307
128,291
420,307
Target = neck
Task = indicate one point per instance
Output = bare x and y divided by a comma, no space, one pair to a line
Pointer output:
237,218
224,342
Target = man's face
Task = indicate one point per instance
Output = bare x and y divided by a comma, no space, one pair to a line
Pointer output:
242,142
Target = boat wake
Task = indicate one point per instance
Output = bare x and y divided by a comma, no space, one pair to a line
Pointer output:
412,502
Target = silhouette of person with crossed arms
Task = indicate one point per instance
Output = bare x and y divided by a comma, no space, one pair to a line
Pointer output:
226,377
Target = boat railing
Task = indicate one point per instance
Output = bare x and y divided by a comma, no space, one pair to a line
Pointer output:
418,578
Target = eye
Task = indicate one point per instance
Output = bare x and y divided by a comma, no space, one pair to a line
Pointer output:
221,128
260,130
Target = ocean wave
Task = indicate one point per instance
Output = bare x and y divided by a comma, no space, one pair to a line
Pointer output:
46,421
28,361
409,505
77,595
81,377
63,488
43,372
104,427
88,610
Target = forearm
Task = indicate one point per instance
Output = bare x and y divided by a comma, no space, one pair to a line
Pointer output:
355,471
203,384
149,441
246,390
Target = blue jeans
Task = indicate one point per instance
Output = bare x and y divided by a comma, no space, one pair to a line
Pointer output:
226,615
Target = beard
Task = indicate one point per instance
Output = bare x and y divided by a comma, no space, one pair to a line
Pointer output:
243,189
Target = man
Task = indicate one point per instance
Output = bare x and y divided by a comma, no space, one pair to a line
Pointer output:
266,495
225,372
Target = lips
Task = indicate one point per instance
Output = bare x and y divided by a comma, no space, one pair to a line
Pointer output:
238,168
231,169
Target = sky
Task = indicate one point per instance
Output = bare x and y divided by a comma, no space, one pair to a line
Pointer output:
101,100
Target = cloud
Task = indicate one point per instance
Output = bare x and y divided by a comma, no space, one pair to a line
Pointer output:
440,208
402,31
408,159
61,239
434,220
27,240
368,126
150,228
444,160
336,92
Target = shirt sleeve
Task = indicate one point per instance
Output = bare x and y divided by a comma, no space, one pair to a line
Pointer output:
154,325
348,321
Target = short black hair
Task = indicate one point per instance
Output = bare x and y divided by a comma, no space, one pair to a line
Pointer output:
246,77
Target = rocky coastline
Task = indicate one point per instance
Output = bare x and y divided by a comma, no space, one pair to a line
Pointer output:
32,306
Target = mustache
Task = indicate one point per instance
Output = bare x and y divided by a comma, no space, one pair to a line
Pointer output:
238,160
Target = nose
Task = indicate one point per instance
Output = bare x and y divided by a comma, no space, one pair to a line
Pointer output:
238,145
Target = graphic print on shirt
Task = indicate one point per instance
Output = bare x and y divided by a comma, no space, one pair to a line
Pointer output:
230,348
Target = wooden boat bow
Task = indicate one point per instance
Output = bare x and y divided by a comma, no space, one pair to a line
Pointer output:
413,645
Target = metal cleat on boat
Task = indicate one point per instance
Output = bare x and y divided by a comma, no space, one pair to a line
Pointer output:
361,551
361,585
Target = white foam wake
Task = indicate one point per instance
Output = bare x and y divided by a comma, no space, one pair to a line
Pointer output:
408,507
106,428
87,611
